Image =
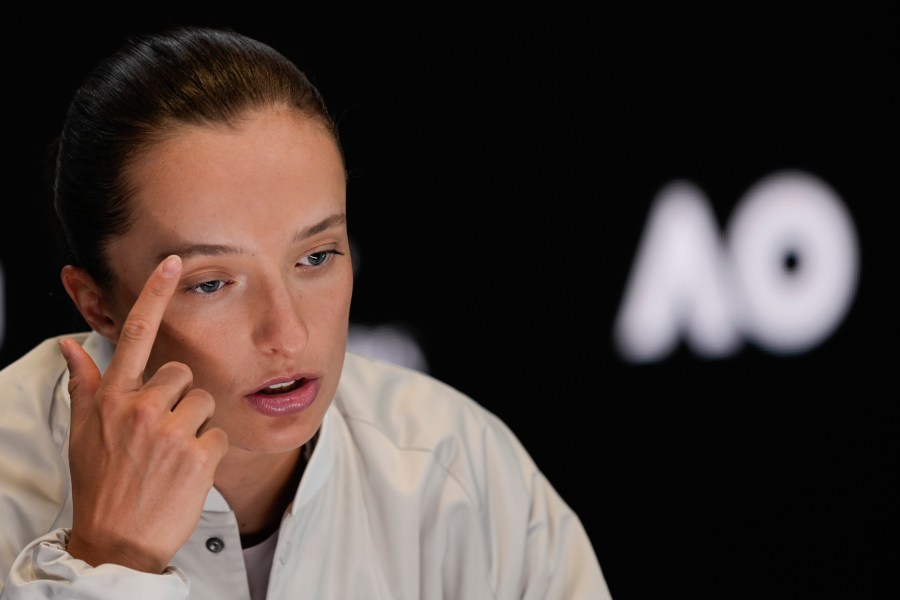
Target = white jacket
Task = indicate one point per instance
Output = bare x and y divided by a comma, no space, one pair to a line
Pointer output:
413,491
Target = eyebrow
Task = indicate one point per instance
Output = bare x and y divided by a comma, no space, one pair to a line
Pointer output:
304,233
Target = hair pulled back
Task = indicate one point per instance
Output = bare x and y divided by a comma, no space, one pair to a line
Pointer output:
154,84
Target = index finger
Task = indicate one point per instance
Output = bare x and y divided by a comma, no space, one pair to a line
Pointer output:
142,324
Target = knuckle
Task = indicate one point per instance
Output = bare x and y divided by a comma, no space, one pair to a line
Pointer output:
179,371
172,379
198,456
174,440
144,415
106,400
74,386
137,327
203,398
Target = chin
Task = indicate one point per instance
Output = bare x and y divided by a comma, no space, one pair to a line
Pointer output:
274,440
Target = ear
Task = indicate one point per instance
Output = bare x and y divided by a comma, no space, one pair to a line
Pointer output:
90,301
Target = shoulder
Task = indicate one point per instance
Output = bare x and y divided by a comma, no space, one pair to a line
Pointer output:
364,375
29,386
410,410
392,396
41,365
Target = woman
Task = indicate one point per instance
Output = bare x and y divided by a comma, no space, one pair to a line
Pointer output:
211,437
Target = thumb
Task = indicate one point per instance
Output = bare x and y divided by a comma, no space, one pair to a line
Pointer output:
84,376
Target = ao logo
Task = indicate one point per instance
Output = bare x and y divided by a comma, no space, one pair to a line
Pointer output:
782,276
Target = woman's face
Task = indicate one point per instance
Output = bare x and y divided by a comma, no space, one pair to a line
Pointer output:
257,214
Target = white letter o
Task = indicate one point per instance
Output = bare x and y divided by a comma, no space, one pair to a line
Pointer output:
792,214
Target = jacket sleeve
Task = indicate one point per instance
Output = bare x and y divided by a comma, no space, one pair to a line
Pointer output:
560,555
34,479
34,494
554,558
45,570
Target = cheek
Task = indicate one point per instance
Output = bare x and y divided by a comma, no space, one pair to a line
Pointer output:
335,307
207,349
211,342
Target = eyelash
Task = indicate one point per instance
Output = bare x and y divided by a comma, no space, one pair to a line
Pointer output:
323,255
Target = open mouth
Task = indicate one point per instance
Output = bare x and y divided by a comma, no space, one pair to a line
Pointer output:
282,388
288,397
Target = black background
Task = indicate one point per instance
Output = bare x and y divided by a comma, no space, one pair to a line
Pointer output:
503,162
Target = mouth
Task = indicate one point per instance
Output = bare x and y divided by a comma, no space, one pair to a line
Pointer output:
282,388
284,396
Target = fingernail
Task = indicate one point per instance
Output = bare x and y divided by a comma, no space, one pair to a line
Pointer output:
170,265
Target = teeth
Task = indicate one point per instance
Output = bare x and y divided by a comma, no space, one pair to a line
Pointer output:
280,388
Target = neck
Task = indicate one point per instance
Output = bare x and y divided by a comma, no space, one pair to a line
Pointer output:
260,487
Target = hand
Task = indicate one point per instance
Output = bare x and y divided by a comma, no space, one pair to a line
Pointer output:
141,458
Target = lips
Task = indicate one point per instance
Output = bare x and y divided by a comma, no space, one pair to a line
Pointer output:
285,397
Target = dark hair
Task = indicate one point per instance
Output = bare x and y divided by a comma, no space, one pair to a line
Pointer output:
152,85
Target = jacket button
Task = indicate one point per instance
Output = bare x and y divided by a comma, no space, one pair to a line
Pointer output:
215,544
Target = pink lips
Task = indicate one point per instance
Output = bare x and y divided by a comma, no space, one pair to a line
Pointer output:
290,402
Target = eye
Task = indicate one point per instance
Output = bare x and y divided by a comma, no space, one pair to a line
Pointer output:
317,259
207,287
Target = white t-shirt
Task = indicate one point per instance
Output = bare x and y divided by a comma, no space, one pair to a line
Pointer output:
258,560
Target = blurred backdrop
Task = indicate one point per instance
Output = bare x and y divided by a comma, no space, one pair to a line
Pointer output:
656,246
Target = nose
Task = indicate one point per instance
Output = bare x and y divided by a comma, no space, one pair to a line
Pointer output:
279,328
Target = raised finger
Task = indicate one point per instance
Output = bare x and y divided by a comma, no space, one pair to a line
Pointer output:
139,331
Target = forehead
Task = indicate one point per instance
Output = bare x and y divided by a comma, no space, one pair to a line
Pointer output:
200,171
252,185
263,144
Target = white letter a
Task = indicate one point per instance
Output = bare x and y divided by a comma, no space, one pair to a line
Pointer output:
679,283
